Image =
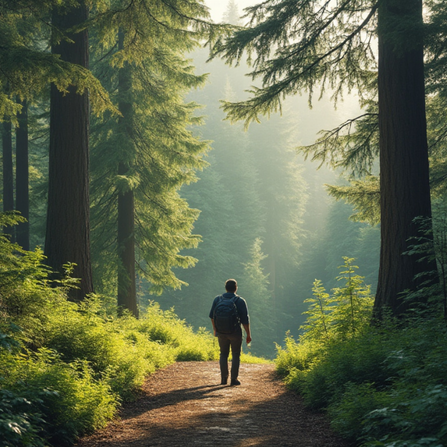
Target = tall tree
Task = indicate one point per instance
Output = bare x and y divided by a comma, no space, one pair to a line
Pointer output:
22,176
336,50
68,218
8,175
127,295
283,192
152,150
404,170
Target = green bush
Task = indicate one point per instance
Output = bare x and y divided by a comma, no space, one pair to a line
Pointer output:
66,367
19,423
69,378
65,398
358,360
348,413
382,385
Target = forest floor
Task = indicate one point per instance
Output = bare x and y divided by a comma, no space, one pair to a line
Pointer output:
184,405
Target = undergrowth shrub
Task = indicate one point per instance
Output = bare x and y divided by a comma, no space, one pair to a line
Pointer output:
19,423
381,385
66,367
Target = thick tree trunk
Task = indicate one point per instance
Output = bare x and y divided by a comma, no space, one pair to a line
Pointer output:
67,232
404,170
22,177
127,298
8,176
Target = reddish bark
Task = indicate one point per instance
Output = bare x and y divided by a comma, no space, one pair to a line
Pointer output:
68,217
404,170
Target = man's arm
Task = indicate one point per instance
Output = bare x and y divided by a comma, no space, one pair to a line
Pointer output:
247,330
214,327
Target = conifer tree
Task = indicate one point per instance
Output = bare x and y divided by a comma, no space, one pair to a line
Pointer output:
283,193
141,160
334,48
232,15
68,218
231,214
8,176
27,66
127,295
263,312
27,70
22,176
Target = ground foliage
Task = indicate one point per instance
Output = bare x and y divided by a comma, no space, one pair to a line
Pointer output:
381,385
66,367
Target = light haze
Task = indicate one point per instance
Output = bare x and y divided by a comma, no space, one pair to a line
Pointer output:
218,7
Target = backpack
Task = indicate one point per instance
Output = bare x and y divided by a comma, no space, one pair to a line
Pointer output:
226,317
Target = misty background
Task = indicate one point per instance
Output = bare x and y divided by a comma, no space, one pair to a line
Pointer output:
265,216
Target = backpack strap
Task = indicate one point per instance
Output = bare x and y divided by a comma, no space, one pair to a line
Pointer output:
234,300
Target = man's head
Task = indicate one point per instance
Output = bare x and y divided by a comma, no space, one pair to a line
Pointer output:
231,285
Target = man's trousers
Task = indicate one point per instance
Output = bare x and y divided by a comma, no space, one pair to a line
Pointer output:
225,342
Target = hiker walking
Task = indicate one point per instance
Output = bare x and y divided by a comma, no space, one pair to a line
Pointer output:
227,314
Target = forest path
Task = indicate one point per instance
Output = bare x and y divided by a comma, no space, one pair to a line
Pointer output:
183,405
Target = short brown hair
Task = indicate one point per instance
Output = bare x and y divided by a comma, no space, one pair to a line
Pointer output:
230,285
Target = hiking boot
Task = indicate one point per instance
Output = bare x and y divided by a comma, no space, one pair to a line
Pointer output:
235,382
224,381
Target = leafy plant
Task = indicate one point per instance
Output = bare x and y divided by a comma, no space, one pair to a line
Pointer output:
383,385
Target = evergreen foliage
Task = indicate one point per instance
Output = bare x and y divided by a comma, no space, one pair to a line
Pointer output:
263,311
27,65
364,195
149,152
382,385
65,367
334,49
252,189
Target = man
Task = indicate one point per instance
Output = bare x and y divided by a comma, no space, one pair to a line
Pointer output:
230,337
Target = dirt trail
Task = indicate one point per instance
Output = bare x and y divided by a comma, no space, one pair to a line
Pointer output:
184,405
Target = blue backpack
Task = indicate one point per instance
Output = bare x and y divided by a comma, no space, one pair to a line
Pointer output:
225,315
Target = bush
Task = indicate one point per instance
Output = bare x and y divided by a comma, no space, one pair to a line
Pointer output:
70,378
19,425
66,367
64,394
382,386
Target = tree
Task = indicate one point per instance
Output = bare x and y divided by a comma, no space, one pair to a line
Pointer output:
283,194
28,67
334,49
22,176
231,14
68,218
8,176
255,289
141,159
404,169
27,70
127,294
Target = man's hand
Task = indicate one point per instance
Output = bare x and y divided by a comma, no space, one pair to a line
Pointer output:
248,332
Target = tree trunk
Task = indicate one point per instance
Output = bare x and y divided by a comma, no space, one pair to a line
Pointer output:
22,177
68,218
8,176
404,170
127,298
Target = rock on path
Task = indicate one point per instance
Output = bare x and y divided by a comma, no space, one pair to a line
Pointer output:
184,405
